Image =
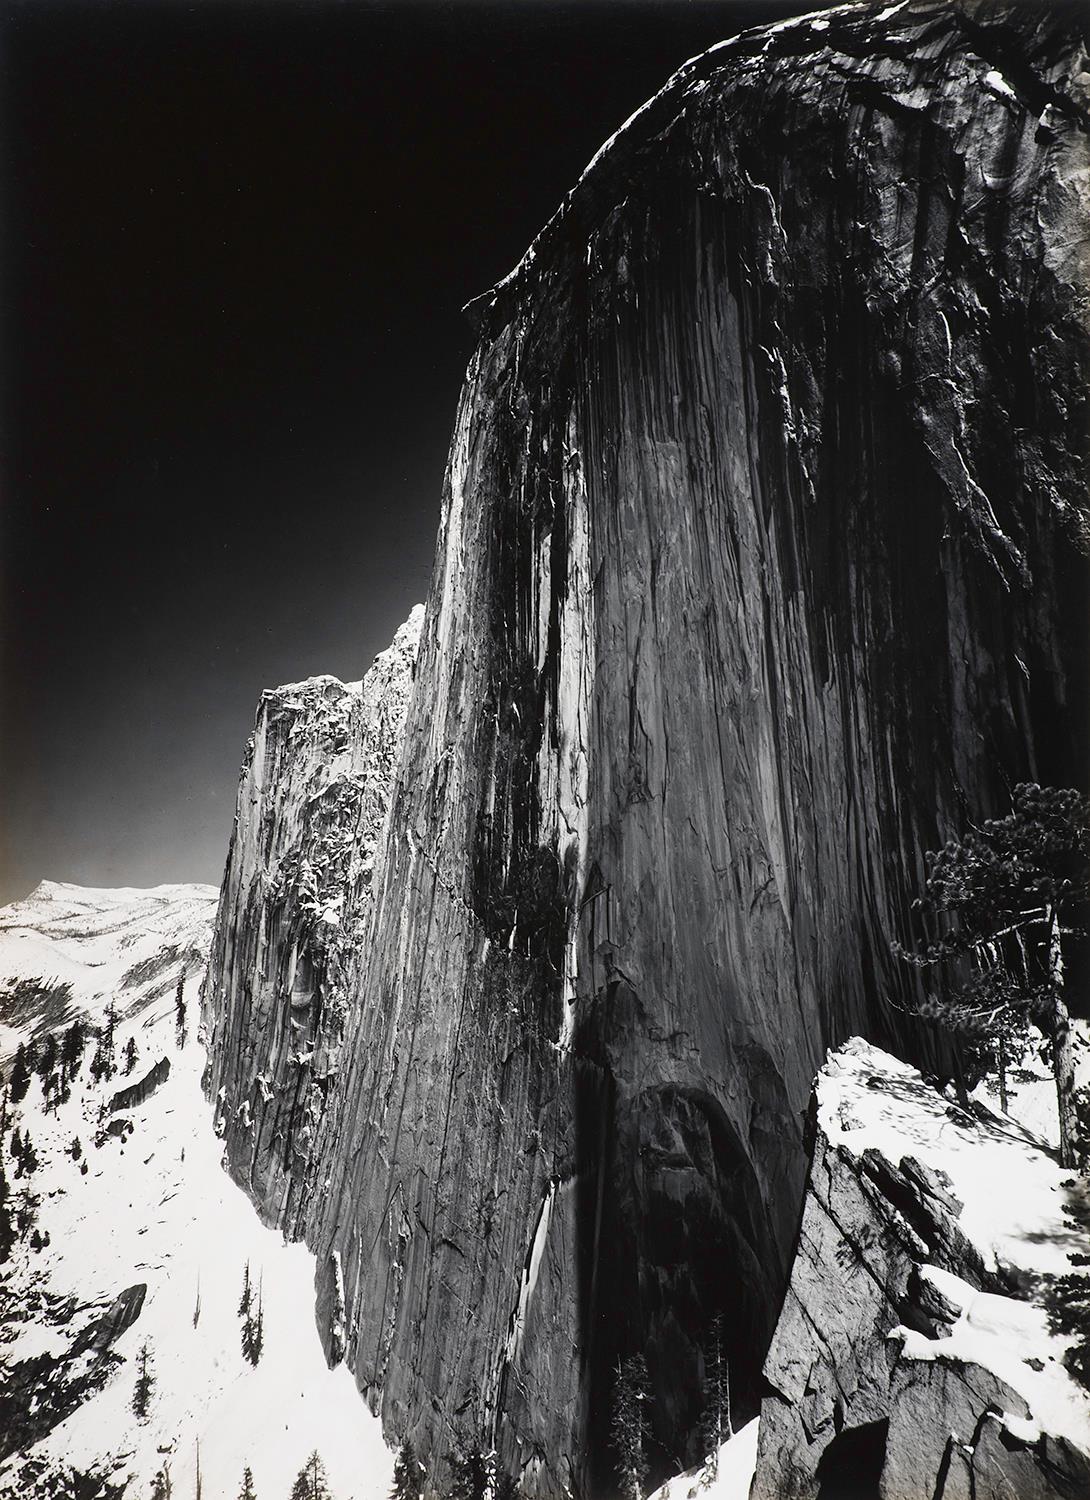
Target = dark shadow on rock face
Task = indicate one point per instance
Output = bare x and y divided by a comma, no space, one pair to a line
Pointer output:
675,1241
705,1251
851,1465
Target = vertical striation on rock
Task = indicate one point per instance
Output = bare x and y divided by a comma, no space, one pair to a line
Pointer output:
294,913
761,566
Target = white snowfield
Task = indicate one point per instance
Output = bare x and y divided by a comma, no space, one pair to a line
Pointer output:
127,944
157,1207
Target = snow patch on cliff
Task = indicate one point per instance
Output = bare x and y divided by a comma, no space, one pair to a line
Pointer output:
1013,1194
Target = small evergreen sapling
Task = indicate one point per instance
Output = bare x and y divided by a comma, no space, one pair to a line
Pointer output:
130,1055
145,1383
247,1492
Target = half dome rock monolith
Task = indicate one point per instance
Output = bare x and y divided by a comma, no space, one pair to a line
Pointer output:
761,568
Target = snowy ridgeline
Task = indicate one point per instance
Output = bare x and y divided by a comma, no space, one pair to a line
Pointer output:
149,1207
152,1327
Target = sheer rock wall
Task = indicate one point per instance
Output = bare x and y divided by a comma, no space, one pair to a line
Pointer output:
294,913
760,568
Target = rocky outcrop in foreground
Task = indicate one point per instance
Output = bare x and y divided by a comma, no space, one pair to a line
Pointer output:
912,1359
294,913
760,571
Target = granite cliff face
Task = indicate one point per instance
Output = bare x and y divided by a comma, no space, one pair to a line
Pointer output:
294,912
907,1362
760,567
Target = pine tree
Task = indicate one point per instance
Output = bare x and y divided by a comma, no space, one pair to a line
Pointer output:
179,1006
715,1424
27,1212
160,1488
130,1055
257,1336
145,1383
253,1320
311,1482
28,1160
247,1492
1067,1303
47,1058
103,1064
75,1039
7,1229
20,1075
630,1395
469,1474
16,1144
999,904
505,1486
408,1474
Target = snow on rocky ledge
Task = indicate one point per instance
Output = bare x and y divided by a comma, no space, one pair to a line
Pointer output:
913,1356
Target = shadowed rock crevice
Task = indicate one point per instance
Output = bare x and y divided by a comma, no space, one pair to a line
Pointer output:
851,1466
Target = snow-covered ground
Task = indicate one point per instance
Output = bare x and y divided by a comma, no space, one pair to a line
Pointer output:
730,1479
1016,1203
88,945
156,1207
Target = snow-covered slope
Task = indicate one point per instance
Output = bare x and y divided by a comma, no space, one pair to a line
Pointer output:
67,949
149,1206
728,1478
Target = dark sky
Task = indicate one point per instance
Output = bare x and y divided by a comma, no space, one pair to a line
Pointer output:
236,239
